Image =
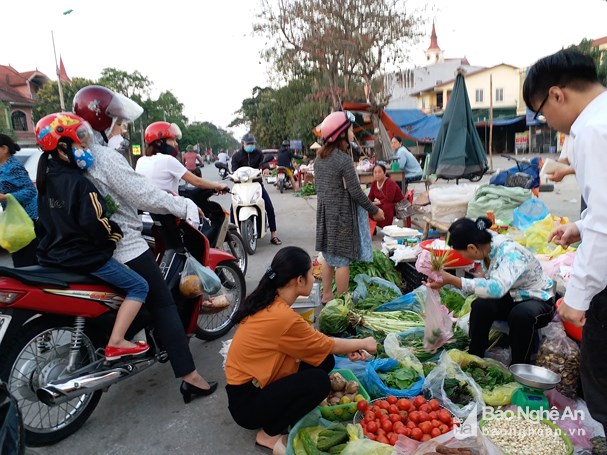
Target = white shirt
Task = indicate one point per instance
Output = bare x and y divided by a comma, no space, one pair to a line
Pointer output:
566,149
114,176
223,157
115,141
164,171
589,159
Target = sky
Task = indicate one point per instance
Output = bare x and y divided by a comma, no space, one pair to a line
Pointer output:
205,53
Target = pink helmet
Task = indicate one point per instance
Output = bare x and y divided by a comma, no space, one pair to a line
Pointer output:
334,125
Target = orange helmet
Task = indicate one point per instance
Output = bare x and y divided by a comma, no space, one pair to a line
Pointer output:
53,127
161,130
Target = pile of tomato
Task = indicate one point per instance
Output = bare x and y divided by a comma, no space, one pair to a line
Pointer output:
384,420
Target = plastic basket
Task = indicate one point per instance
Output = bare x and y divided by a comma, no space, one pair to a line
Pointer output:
411,277
343,412
453,259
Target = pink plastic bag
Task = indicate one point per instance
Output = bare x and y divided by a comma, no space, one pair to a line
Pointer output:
439,324
423,265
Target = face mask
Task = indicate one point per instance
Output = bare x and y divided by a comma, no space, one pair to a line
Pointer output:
166,149
249,148
82,158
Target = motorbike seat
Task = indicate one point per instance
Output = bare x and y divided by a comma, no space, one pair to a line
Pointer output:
38,275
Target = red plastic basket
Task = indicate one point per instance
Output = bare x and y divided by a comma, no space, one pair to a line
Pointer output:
453,259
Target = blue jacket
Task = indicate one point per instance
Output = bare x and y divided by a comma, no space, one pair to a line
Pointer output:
15,180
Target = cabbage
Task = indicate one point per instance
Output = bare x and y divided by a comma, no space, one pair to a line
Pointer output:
333,318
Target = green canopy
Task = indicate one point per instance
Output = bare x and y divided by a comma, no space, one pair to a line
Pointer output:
458,151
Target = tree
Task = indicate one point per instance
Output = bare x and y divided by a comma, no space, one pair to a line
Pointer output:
340,38
132,85
47,98
598,55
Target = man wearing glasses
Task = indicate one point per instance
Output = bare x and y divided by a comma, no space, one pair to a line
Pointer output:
564,89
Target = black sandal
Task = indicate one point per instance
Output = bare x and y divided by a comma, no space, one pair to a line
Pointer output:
275,241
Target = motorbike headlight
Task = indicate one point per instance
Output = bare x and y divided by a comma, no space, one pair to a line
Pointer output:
256,196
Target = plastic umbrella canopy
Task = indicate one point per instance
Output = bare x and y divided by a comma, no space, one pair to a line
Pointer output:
458,151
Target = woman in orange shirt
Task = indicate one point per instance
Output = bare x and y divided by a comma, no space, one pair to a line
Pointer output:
277,368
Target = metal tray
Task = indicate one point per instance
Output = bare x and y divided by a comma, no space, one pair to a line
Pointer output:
534,376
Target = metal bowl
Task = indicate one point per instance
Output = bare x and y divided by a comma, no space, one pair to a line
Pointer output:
534,376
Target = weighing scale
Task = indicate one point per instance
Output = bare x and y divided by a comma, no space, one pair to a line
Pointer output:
535,381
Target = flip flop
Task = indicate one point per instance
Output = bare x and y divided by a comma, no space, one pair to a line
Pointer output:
280,448
275,241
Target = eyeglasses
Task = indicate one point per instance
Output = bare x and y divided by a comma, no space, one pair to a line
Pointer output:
538,114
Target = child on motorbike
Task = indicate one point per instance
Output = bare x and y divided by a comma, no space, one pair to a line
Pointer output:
277,367
73,227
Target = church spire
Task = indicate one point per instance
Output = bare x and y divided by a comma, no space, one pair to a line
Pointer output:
434,54
433,39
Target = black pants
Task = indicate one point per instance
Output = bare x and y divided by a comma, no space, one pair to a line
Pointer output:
269,210
26,256
164,313
524,318
283,402
593,367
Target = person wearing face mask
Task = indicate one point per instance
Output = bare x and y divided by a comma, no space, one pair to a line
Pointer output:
73,226
249,155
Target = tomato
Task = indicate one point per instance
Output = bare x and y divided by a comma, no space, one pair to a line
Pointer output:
395,418
398,426
443,428
444,416
404,416
383,440
414,416
372,427
375,408
393,438
392,399
407,432
393,409
369,416
418,401
434,404
426,427
423,416
435,432
410,425
436,423
416,434
424,407
371,436
362,405
383,404
381,432
433,415
425,437
386,425
404,404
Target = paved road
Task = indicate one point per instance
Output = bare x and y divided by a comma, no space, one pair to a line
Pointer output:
146,414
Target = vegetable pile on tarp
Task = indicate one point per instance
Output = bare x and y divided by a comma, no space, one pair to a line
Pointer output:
381,267
339,315
372,292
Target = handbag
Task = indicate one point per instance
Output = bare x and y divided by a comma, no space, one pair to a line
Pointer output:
16,227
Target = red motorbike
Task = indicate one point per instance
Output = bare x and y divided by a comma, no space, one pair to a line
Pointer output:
54,325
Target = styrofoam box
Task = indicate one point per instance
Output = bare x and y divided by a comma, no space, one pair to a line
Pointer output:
309,307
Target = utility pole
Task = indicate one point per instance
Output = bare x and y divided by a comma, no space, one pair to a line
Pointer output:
61,100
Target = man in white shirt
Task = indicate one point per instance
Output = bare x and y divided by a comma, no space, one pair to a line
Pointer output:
565,89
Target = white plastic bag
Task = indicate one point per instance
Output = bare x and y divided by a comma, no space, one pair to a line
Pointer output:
402,353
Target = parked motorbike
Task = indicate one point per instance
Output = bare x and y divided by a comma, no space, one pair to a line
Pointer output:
54,325
283,182
248,205
217,228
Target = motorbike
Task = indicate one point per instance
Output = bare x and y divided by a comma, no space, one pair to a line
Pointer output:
283,182
54,325
248,205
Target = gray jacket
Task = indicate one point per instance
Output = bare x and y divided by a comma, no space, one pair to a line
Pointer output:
339,191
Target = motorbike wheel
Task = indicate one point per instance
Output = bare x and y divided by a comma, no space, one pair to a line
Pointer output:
37,355
215,324
247,230
281,186
234,244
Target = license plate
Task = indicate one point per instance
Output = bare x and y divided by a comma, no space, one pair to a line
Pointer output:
4,322
271,179
281,176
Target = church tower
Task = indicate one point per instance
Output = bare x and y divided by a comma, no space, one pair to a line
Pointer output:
434,54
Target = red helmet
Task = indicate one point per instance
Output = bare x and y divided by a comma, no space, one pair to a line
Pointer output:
100,107
334,125
51,128
161,130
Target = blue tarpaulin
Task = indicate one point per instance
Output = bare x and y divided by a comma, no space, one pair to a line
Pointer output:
502,121
414,122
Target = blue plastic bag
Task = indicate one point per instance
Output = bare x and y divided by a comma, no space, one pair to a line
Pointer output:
359,368
528,213
376,387
408,301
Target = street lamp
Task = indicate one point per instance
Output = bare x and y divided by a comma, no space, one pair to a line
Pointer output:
61,100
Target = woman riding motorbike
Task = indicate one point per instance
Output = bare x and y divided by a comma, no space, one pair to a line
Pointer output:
116,180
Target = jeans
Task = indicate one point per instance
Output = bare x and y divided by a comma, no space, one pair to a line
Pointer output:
524,319
164,313
593,368
120,276
283,402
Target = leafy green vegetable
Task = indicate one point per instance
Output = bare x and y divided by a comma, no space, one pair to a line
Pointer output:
458,392
453,300
381,267
487,377
415,341
376,296
333,318
399,378
309,189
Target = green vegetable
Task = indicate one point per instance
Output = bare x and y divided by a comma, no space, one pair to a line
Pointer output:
399,378
428,367
458,392
453,300
415,342
337,449
381,267
309,189
376,296
487,377
307,443
333,318
329,438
